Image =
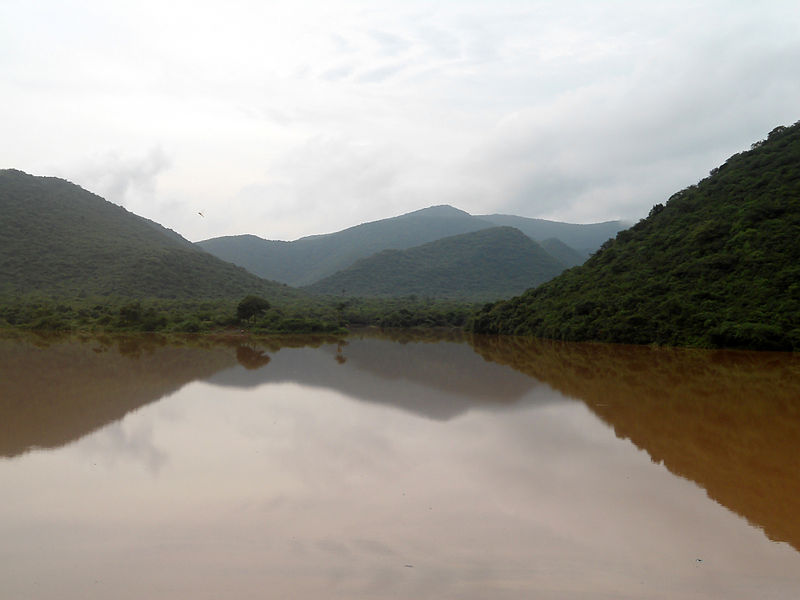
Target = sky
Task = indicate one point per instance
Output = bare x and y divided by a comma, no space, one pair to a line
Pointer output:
286,119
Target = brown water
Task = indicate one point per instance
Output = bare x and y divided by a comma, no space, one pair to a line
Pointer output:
494,468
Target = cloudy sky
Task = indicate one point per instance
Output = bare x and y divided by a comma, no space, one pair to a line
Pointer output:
286,119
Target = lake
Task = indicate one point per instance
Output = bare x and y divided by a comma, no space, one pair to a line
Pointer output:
395,466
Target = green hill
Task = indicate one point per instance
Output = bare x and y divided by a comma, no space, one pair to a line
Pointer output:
585,238
482,265
718,265
312,258
57,239
563,253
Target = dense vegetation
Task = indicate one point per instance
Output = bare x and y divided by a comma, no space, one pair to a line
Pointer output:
310,259
718,265
58,240
194,316
483,265
70,260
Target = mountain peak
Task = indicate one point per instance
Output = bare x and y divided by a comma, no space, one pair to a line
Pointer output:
439,210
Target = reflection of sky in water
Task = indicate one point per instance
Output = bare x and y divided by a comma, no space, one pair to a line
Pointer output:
274,488
439,381
129,440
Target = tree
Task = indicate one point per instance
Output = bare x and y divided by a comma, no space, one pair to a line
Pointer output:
250,307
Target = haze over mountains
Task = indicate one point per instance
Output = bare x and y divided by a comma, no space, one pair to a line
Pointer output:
310,259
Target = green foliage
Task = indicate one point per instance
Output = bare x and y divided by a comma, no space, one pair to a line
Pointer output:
69,260
478,266
409,312
717,265
59,240
250,307
308,315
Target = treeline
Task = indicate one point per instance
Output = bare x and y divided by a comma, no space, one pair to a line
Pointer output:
203,316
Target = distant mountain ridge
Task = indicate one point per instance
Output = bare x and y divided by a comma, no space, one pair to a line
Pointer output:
58,239
585,238
311,259
482,265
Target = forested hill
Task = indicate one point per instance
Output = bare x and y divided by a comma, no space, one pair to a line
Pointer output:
563,253
718,265
58,239
479,266
310,259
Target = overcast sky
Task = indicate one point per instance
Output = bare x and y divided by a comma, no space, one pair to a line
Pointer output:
285,119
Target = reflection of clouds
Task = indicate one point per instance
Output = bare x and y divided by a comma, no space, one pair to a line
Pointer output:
308,494
440,381
334,547
372,546
126,440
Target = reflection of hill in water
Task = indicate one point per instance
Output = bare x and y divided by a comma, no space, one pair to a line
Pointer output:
437,380
54,393
729,421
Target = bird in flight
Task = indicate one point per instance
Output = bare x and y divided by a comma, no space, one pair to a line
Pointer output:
201,214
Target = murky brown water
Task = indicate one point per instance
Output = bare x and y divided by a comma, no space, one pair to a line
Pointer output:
493,468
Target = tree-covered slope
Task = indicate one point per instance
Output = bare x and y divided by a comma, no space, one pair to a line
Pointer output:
57,239
718,265
486,264
312,258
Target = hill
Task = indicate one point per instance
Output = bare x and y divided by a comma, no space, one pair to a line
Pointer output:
312,258
563,253
482,265
718,265
58,239
585,238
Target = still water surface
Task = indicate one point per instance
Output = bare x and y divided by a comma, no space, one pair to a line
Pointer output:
378,468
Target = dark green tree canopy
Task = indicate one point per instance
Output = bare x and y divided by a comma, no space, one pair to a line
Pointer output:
717,265
250,307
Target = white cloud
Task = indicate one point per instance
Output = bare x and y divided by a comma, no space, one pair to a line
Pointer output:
341,112
121,179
